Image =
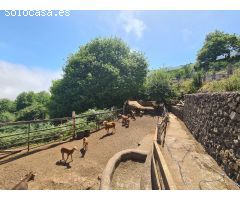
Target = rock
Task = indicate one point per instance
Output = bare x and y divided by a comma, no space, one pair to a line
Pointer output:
232,105
235,116
238,109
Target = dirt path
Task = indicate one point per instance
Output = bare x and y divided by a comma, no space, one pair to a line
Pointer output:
190,165
83,173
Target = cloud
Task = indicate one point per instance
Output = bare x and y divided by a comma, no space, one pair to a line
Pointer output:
16,78
131,24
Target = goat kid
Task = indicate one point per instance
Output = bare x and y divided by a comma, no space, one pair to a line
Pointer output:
85,144
67,151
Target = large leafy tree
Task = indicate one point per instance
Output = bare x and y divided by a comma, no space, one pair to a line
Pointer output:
158,86
103,73
24,100
216,44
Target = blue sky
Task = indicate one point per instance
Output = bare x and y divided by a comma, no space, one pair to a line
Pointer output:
36,48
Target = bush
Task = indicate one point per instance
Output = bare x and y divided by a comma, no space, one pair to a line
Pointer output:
7,117
32,112
230,84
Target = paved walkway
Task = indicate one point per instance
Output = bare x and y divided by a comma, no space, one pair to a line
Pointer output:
190,165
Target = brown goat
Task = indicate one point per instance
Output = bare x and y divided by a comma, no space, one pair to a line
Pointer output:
23,184
109,125
85,144
125,119
69,152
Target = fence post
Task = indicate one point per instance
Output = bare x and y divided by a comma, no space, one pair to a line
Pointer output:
28,136
73,124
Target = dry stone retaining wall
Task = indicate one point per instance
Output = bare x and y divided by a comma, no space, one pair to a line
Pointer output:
214,120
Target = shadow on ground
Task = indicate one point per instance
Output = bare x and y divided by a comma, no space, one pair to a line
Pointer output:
106,135
64,163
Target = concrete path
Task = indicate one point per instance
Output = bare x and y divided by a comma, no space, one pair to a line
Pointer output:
190,165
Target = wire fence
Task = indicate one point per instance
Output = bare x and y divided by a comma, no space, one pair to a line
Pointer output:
24,135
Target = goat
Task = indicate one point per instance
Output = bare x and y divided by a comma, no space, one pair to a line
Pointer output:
124,119
127,122
119,116
85,144
141,113
23,184
68,152
132,114
109,125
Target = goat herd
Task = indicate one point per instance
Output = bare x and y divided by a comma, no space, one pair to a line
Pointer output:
23,184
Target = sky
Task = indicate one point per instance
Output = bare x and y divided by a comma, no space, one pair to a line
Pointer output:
33,50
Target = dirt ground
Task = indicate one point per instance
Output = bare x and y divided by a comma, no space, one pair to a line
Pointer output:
189,163
84,172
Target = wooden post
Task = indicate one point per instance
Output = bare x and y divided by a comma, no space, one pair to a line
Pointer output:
28,136
74,125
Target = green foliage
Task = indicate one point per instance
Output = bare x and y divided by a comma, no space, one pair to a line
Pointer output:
7,117
103,73
7,109
184,87
158,85
230,84
50,131
183,72
197,80
24,100
32,105
7,105
216,44
32,112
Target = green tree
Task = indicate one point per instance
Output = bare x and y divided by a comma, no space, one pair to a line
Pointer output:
216,44
158,86
103,73
32,105
197,80
35,111
7,105
7,117
24,100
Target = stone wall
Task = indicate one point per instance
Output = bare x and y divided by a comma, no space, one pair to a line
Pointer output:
214,120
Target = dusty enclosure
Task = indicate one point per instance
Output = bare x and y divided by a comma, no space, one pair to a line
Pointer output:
83,172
